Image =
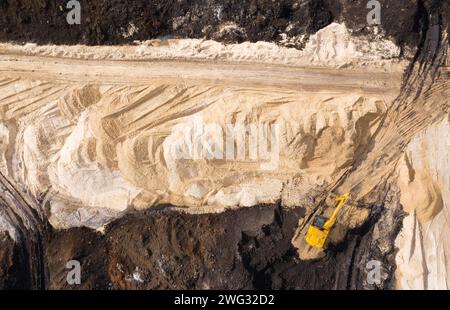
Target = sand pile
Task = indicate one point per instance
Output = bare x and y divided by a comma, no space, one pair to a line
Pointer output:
208,147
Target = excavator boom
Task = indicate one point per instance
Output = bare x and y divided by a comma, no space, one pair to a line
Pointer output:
328,224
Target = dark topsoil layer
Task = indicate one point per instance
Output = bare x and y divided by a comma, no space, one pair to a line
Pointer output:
105,21
249,248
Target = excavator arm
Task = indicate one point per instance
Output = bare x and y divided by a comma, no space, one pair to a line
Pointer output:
332,220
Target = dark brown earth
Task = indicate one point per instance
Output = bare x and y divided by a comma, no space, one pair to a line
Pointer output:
249,248
245,249
105,21
7,275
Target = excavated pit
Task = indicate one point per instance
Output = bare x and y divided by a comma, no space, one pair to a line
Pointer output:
243,249
87,173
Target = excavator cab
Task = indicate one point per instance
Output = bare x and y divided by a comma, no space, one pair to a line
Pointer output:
319,221
318,231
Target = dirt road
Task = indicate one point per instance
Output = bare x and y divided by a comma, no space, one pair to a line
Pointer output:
229,73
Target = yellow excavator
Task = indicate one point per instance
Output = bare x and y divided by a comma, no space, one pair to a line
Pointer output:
319,230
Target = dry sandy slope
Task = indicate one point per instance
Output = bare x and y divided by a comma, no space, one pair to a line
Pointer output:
105,126
425,182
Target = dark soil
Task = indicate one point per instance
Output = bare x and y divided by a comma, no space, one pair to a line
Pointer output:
170,250
8,276
243,249
248,248
105,21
